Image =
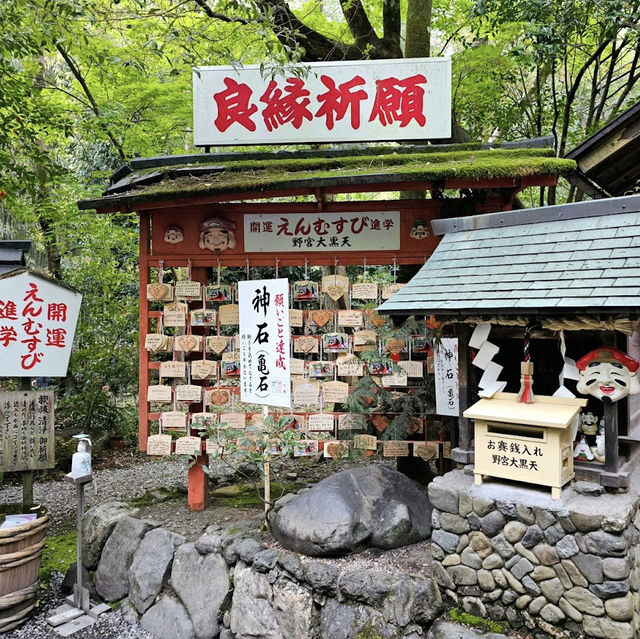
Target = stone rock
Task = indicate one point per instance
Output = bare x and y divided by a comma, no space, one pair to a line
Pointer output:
543,572
605,544
552,589
620,609
509,597
532,537
128,612
474,606
463,575
293,566
248,548
486,580
544,518
366,585
482,506
446,540
584,601
454,523
471,558
530,585
589,566
521,568
150,566
500,544
610,589
112,576
564,577
293,607
480,543
514,530
354,508
615,568
345,621
603,627
70,579
546,554
588,488
552,614
202,583
567,547
523,601
537,605
266,560
565,521
573,613
493,561
442,577
492,523
283,501
208,543
448,630
451,560
168,619
465,505
514,583
321,577
463,542
585,522
474,521
524,552
499,577
575,575
97,525
554,533
443,497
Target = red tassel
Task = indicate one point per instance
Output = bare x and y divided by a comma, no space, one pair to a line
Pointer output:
526,391
395,357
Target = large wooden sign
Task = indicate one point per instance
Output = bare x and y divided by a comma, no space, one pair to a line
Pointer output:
38,320
27,439
324,102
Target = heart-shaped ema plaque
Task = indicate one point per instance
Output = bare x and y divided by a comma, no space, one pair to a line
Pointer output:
335,286
159,292
217,344
320,318
203,369
188,343
155,342
306,344
394,345
218,397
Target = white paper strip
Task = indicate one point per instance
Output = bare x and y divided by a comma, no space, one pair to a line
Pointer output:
480,335
490,375
486,353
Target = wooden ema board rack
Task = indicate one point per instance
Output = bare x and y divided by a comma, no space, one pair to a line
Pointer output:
531,443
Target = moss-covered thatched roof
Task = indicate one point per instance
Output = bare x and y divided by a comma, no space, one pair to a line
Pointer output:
240,176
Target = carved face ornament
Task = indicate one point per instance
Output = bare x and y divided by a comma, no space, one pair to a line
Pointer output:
608,374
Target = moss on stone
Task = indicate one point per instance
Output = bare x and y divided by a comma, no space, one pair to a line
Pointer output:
368,632
486,625
58,554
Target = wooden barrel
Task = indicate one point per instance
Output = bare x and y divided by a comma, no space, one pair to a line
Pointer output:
20,552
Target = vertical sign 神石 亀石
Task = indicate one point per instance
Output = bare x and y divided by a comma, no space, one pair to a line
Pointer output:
446,374
265,376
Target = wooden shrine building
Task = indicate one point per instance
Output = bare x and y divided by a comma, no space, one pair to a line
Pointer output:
571,273
259,202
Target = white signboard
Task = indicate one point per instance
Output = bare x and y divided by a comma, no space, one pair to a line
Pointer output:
446,374
370,231
37,323
330,102
265,373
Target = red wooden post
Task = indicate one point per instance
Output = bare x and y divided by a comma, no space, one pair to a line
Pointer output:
143,424
198,484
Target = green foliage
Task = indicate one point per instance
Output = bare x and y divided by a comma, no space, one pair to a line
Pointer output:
487,625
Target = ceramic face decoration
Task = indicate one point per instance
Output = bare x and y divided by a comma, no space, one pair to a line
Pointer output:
173,234
217,235
608,374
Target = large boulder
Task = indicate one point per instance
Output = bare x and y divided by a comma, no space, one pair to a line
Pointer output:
97,524
369,506
112,576
167,619
150,566
202,583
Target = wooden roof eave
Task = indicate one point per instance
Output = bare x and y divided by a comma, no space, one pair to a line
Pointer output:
371,183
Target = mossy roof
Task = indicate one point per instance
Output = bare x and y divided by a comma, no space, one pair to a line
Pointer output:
266,174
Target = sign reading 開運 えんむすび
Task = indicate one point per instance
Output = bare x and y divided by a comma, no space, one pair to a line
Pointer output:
38,320
324,102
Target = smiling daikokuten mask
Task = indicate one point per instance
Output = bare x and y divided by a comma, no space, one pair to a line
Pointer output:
608,374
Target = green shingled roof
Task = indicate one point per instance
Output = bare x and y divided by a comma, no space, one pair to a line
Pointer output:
234,175
582,257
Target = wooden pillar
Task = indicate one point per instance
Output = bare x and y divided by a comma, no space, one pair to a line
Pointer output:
611,437
143,327
198,484
463,452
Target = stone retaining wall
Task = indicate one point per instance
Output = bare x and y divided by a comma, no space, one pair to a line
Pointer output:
233,586
565,566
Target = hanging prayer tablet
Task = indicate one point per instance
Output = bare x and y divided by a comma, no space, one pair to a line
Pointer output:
380,367
305,448
389,290
189,393
425,450
217,397
395,379
412,368
296,318
353,319
173,369
395,449
350,366
188,290
233,421
394,345
364,291
203,317
175,315
159,445
158,343
159,393
335,286
214,449
230,365
187,343
229,314
204,421
217,344
375,318
305,291
320,422
420,344
204,369
218,293
159,292
320,318
365,442
335,342
189,446
305,344
306,394
292,422
365,341
350,421
320,369
334,392
296,366
174,420
336,450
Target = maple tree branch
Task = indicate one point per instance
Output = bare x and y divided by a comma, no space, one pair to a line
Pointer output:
359,25
219,16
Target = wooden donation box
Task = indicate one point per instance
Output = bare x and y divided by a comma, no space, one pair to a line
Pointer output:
525,442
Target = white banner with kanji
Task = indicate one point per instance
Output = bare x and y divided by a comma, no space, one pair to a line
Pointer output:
365,101
446,376
38,320
265,374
